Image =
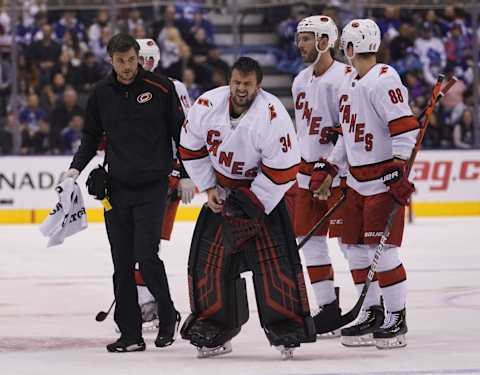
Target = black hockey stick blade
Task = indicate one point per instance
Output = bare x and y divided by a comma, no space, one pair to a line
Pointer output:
102,315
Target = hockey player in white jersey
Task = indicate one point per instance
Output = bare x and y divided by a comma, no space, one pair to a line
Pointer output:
379,133
179,188
315,92
239,145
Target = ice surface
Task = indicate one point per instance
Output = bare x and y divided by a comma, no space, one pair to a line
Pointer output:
49,298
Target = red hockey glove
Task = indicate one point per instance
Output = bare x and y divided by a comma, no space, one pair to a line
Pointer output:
396,179
321,179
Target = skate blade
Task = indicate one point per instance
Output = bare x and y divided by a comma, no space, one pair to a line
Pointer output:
285,353
399,341
354,341
150,327
204,352
329,335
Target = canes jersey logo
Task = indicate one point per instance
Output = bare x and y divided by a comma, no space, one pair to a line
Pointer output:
144,97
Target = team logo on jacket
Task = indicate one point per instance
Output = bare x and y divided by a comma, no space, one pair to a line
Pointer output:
145,97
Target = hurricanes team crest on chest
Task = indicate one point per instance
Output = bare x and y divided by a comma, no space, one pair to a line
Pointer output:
144,97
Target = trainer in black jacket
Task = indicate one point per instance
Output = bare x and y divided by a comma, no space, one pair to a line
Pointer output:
139,113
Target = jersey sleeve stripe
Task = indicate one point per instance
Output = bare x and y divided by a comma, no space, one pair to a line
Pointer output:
402,125
281,176
231,183
160,86
187,154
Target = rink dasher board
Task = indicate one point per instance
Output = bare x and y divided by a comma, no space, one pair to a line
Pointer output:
447,184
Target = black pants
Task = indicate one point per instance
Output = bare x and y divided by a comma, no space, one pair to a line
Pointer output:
134,227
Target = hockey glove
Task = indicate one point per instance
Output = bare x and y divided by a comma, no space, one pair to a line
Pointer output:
97,183
242,212
71,173
186,190
396,179
321,179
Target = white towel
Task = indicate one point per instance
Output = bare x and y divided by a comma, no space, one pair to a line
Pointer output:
69,215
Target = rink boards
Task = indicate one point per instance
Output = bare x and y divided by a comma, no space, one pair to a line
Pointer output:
447,184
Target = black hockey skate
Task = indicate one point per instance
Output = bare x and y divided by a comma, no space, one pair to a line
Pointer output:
167,333
361,333
210,338
328,314
391,334
285,336
123,345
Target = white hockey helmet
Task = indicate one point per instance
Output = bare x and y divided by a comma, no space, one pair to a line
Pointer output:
319,25
364,35
149,52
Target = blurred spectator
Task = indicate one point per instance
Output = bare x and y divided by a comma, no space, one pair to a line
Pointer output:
68,70
134,20
435,23
193,89
416,87
69,22
64,111
44,141
30,116
432,54
389,24
5,19
434,134
27,33
139,32
99,47
169,19
199,22
5,84
462,131
90,71
216,63
402,53
71,135
457,45
287,32
95,30
44,54
75,47
6,136
174,52
31,8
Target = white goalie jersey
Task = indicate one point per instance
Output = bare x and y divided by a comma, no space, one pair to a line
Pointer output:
260,151
316,114
377,125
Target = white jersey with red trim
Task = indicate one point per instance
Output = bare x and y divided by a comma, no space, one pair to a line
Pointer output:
377,125
316,114
260,148
182,93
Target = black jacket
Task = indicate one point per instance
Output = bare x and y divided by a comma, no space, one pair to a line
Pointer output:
139,120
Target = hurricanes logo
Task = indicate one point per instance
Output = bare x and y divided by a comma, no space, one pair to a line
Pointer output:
145,97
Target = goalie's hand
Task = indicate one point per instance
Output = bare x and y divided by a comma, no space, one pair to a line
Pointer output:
396,178
186,190
214,200
321,179
242,202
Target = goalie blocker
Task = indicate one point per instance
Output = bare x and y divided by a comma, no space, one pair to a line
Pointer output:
219,253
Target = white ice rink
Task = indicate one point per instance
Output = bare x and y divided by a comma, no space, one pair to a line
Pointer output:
49,298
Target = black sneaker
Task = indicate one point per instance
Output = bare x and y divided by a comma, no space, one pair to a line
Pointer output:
123,345
327,314
167,333
361,333
392,332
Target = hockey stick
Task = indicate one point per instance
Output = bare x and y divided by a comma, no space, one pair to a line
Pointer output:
322,220
350,316
102,315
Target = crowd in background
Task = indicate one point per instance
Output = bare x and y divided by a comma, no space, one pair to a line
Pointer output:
62,54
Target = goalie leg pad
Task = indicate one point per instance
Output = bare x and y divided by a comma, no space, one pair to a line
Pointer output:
218,297
279,283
